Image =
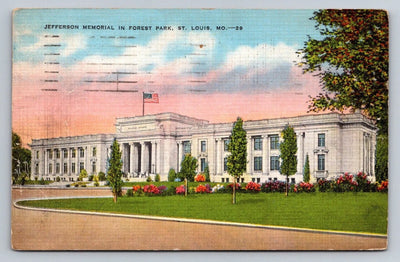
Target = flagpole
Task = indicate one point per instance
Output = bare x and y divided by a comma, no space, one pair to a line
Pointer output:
143,104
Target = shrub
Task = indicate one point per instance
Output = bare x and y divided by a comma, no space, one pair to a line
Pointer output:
102,176
149,179
91,178
171,175
58,179
304,187
42,182
129,193
275,186
157,178
96,184
253,187
154,190
363,183
207,173
383,187
324,185
218,188
345,183
200,178
83,174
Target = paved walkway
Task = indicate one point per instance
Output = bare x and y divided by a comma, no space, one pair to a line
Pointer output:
39,230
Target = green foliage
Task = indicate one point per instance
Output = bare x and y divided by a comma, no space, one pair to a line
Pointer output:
207,173
114,173
237,146
129,193
188,167
306,172
83,174
58,179
288,150
149,179
90,178
21,160
352,61
382,158
171,175
102,176
42,182
157,178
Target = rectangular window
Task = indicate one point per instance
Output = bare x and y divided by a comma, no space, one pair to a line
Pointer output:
321,162
94,167
274,140
50,168
81,166
187,147
50,154
73,152
257,143
94,151
203,146
57,168
37,168
57,154
202,164
225,164
73,168
321,140
274,165
226,144
65,168
81,152
257,163
37,154
65,153
293,181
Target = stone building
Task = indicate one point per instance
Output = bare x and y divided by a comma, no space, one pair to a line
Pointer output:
153,144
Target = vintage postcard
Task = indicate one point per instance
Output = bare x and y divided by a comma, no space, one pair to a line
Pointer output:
199,129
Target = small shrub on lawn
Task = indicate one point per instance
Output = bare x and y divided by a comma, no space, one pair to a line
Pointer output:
253,187
180,190
149,179
203,188
129,193
102,176
274,186
303,187
157,178
383,187
200,178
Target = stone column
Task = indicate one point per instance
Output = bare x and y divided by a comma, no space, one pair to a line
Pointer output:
142,162
158,157
249,167
132,158
153,157
46,162
218,156
180,155
265,155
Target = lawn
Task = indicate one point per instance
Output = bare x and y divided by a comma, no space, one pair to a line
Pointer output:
356,212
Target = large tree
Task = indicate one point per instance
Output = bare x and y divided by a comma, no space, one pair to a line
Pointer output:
288,149
114,173
188,169
237,160
21,160
352,59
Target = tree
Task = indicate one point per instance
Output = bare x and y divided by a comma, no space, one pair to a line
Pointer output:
188,169
288,149
381,166
114,172
171,175
83,174
237,160
352,61
21,160
207,173
306,173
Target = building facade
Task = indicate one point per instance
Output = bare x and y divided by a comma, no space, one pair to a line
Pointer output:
153,144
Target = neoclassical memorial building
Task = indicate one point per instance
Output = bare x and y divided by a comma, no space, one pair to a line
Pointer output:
153,144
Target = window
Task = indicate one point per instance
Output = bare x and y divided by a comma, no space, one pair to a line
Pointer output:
225,164
81,166
73,152
321,140
57,154
274,163
65,168
65,152
94,167
202,164
50,168
81,152
274,139
203,146
50,154
73,168
187,147
37,154
293,181
94,151
257,163
226,143
57,168
321,162
257,143
36,168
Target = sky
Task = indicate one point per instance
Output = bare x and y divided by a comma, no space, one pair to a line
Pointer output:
209,64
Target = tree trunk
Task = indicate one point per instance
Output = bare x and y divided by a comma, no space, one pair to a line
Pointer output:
115,197
234,191
287,185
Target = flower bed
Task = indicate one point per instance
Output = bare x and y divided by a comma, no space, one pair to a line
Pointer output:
203,189
253,187
200,178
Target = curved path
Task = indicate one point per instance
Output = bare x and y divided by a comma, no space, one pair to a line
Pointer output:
42,230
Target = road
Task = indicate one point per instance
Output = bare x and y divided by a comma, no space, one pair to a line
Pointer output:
41,230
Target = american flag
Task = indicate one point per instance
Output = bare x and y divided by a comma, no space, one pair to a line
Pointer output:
150,97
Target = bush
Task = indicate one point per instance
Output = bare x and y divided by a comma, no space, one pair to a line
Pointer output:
200,178
157,178
96,184
83,174
324,185
171,175
58,179
180,190
149,179
203,189
275,186
383,187
253,187
102,176
303,187
129,193
42,182
207,173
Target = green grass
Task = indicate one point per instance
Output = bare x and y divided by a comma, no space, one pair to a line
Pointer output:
356,212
